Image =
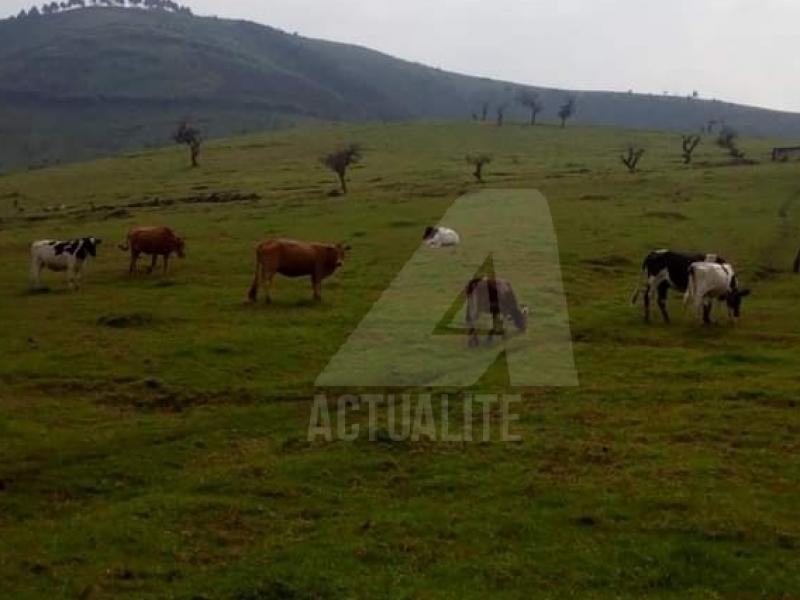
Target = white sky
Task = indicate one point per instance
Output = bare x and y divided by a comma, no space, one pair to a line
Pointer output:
745,51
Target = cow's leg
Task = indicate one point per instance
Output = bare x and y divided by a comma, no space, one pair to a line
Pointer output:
663,290
36,272
647,291
152,264
497,327
316,284
268,277
71,275
166,263
134,260
707,306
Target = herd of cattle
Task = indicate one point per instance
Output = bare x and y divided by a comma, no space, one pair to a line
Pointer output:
702,278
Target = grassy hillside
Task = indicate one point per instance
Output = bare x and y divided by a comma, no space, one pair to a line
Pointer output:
96,81
166,457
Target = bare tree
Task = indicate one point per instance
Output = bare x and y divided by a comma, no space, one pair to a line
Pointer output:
690,143
530,100
728,140
501,114
485,111
191,137
478,161
567,111
632,158
340,160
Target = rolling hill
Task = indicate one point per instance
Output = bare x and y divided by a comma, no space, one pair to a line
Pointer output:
96,81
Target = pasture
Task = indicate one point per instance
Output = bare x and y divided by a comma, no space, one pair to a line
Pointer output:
153,430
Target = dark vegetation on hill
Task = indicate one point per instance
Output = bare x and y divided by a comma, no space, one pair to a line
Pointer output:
82,82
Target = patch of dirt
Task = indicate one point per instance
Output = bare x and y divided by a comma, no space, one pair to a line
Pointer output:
611,261
668,215
126,321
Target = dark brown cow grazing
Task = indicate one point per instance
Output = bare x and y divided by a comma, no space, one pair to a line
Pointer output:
293,258
154,241
494,296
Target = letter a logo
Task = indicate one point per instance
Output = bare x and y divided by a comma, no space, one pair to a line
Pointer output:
417,335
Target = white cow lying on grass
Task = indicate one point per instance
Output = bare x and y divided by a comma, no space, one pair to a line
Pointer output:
61,256
710,281
438,237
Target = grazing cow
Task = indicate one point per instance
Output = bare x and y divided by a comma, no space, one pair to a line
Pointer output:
714,281
664,269
293,258
66,256
494,296
438,237
154,241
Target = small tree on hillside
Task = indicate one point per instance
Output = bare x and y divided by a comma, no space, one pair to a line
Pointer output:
567,111
632,157
485,111
728,140
340,160
478,161
501,114
690,143
191,137
532,102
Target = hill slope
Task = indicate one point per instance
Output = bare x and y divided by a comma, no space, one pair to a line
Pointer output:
94,81
153,429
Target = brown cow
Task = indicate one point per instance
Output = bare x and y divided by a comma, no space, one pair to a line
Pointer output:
494,296
294,258
155,241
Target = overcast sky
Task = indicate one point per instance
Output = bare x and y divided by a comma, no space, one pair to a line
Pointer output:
745,51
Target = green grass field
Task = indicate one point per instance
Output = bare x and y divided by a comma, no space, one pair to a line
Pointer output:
166,457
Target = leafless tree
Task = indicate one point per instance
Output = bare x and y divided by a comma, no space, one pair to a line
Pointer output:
632,157
728,140
340,160
530,100
478,161
567,111
690,143
501,114
191,137
485,111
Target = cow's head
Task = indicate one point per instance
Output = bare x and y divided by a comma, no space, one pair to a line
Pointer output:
341,251
91,244
734,301
180,245
429,233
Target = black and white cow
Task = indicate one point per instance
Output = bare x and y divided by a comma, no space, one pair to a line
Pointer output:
66,256
665,269
713,281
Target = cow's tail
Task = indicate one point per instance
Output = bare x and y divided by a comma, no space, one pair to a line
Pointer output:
691,287
253,293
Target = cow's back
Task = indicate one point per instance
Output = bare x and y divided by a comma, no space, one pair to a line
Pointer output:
152,240
292,258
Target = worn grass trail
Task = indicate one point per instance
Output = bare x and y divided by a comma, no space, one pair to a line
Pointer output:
166,455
